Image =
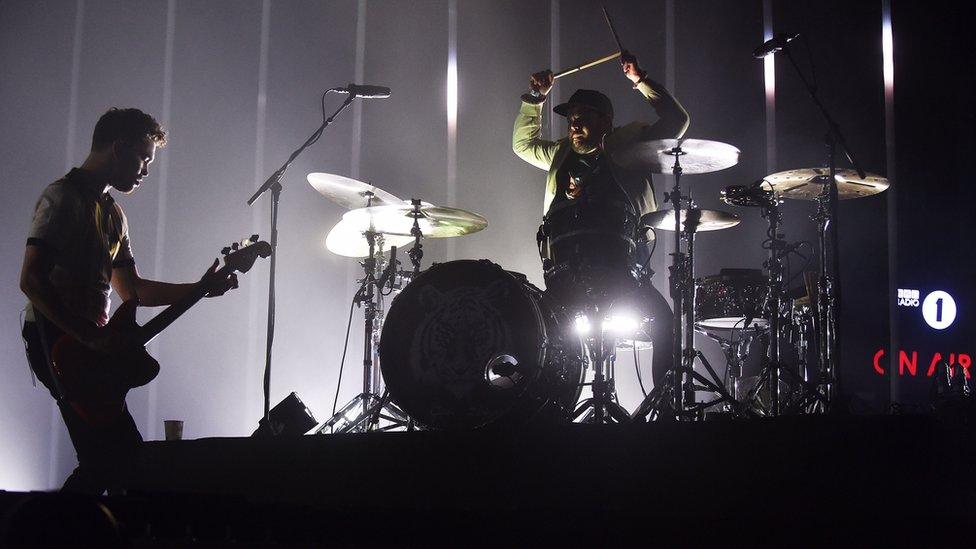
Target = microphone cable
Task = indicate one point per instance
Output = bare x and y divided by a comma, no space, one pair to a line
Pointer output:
345,348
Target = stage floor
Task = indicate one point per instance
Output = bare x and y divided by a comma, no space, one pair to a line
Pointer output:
795,481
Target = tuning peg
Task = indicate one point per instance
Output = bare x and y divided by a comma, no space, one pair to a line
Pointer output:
235,246
254,238
225,250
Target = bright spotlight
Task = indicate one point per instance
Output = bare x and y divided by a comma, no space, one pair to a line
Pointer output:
582,324
622,324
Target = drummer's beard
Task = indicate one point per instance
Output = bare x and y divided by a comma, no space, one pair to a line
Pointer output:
584,147
587,143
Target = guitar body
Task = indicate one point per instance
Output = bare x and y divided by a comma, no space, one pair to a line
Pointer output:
95,384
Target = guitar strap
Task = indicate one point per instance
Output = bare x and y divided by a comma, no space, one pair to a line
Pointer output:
45,340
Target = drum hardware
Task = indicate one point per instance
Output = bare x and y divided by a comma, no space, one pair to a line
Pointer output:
385,227
602,407
675,397
778,249
829,289
365,410
417,252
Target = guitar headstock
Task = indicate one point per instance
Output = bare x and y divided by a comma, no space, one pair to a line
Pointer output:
240,256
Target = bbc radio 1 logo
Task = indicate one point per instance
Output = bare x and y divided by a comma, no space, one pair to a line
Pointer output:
938,307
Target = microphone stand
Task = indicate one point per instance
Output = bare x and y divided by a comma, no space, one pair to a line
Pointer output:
273,184
829,286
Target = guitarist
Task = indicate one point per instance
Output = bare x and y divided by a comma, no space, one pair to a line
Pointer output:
77,252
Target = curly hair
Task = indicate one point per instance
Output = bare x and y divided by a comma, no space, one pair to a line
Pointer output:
127,125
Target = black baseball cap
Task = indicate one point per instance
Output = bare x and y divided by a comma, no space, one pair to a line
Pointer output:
586,98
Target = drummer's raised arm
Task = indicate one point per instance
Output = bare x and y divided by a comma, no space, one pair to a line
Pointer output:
527,141
673,118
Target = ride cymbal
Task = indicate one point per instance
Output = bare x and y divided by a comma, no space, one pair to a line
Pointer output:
808,183
434,221
346,240
350,193
695,156
708,220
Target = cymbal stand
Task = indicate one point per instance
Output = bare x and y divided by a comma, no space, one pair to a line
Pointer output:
364,412
602,407
828,286
416,253
778,249
675,397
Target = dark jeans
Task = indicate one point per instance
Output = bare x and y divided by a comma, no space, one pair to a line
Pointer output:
105,453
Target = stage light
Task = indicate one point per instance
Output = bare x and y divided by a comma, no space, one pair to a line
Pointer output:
290,417
623,324
887,48
582,324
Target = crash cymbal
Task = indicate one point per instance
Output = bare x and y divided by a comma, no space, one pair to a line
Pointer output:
697,156
346,240
435,221
807,183
709,220
350,193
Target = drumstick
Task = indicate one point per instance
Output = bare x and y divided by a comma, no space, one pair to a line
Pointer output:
587,65
613,31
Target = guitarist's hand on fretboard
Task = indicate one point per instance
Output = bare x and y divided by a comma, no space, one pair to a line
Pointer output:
216,284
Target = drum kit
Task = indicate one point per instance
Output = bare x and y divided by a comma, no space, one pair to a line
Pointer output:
467,344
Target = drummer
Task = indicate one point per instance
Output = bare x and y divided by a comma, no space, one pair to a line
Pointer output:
577,163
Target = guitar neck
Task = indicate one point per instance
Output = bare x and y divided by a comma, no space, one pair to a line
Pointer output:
161,321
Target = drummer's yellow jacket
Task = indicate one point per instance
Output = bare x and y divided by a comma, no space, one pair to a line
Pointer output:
528,144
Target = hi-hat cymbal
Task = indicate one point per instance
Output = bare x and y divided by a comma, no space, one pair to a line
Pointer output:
346,240
696,156
708,220
808,183
434,221
350,193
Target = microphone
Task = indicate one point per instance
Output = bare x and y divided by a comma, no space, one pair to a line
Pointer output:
773,45
364,91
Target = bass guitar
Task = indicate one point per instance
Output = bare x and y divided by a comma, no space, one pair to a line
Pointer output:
94,383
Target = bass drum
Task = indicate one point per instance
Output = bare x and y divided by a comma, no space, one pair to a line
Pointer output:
468,344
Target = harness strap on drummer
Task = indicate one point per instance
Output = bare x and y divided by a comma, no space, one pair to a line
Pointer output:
542,243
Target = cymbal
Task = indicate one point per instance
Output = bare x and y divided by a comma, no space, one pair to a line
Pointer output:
434,221
807,183
697,156
710,220
350,193
346,240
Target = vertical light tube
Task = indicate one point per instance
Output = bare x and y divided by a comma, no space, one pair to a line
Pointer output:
54,439
452,112
357,106
554,128
355,168
669,47
72,130
888,67
769,78
152,392
253,388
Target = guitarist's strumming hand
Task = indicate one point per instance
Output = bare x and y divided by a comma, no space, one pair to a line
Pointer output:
216,284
